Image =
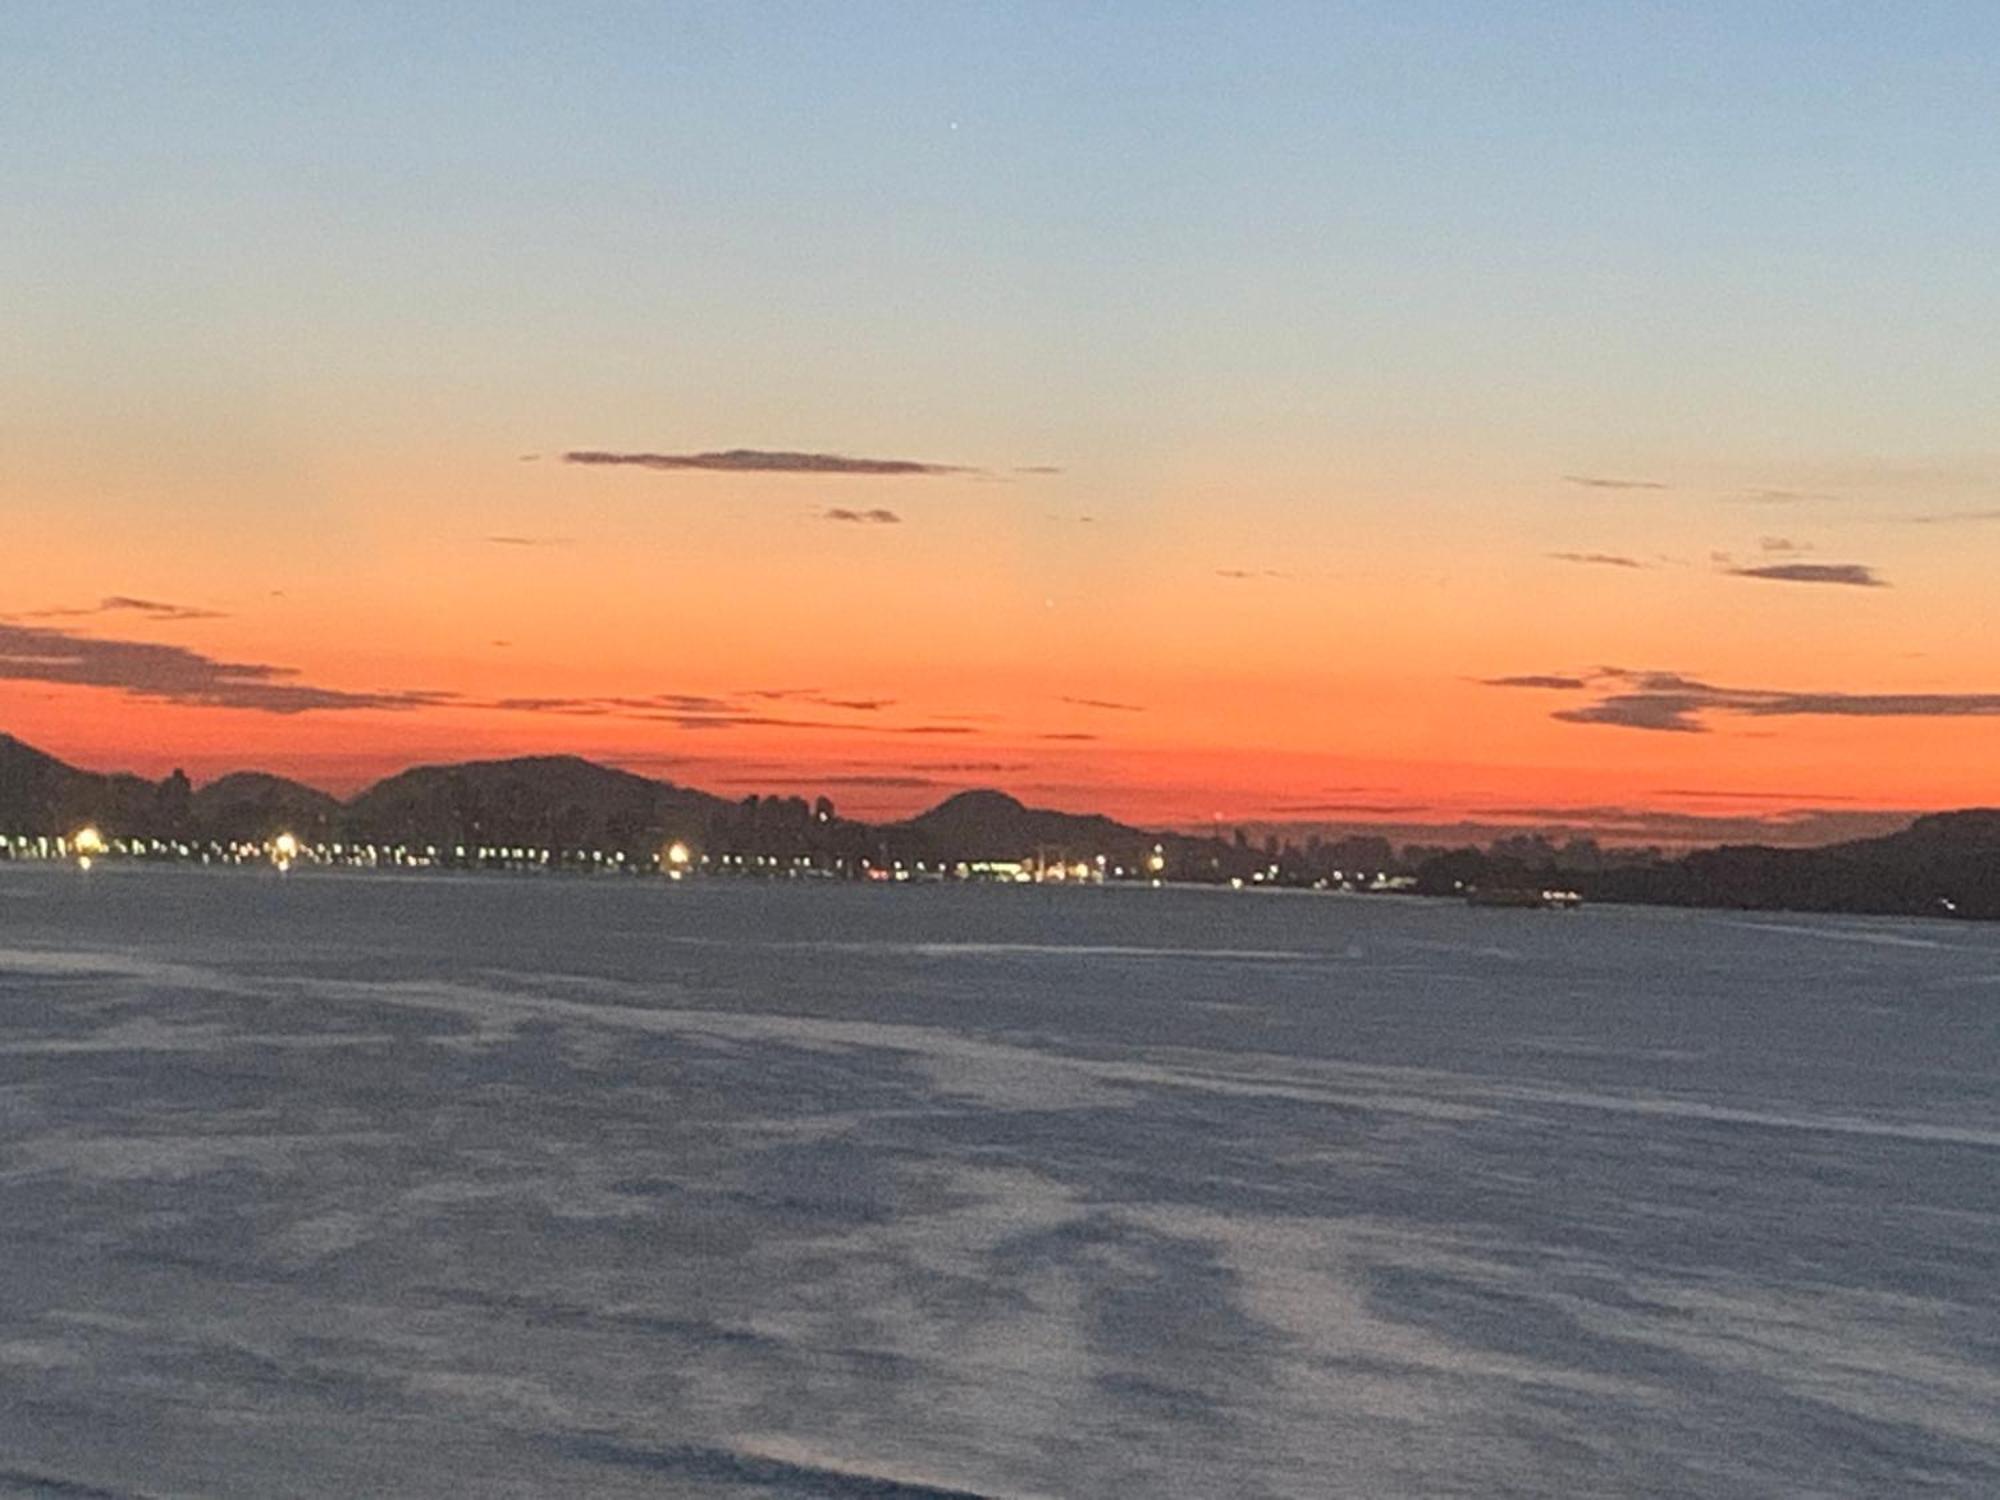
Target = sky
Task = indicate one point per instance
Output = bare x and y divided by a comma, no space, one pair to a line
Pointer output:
1334,412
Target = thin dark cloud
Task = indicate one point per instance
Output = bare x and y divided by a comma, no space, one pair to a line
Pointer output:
1851,575
767,461
825,700
174,674
1721,794
572,707
1598,559
113,604
1956,518
1781,546
886,781
1038,469
879,516
1784,497
1105,703
1536,680
1342,809
1611,482
1670,702
674,706
1067,735
1666,712
532,541
1242,573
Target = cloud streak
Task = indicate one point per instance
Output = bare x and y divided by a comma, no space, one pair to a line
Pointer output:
706,711
1784,497
1956,518
765,461
1105,703
1598,559
825,700
174,674
152,609
1608,482
1536,680
879,516
1668,702
1850,575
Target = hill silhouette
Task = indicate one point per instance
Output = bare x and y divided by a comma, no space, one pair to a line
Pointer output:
552,801
42,795
993,825
253,806
1943,864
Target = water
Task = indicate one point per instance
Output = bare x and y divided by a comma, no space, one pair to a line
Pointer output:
325,1186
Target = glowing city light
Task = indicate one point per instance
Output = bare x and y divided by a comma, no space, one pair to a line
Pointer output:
284,849
88,842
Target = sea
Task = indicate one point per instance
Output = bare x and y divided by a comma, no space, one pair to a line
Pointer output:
335,1185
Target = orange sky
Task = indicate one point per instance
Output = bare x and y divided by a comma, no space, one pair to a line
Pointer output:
994,636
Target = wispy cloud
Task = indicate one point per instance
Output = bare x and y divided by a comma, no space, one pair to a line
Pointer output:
174,674
1105,703
532,541
1598,559
1067,735
1784,497
648,705
1778,546
767,461
1037,469
1725,795
885,780
1346,809
1851,575
704,711
152,609
825,700
1536,680
1242,573
1670,702
876,517
1955,518
1610,482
